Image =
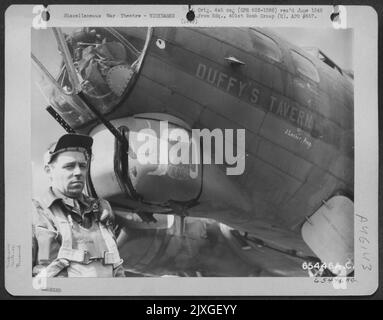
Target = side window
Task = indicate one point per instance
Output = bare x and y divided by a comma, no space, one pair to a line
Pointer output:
305,66
265,46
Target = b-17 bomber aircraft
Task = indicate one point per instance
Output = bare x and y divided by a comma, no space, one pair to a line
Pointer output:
275,195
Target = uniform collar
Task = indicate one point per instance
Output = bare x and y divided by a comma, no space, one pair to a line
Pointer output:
51,197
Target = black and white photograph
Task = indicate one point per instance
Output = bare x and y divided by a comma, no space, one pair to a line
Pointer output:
273,192
218,152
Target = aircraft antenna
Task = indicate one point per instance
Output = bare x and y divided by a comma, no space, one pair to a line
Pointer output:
60,119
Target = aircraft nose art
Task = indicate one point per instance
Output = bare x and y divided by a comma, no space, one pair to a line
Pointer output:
152,166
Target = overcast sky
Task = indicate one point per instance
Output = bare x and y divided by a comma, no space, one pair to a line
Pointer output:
336,44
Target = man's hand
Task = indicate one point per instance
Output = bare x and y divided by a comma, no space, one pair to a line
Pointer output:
106,216
119,272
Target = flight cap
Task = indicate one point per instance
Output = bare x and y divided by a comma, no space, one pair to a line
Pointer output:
69,142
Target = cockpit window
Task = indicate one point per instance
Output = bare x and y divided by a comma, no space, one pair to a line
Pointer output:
305,66
265,46
99,62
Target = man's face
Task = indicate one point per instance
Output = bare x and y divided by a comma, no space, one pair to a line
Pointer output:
67,173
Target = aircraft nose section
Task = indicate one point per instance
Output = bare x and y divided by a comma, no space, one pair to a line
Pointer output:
162,171
100,63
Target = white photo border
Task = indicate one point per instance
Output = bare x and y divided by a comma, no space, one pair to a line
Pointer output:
18,178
